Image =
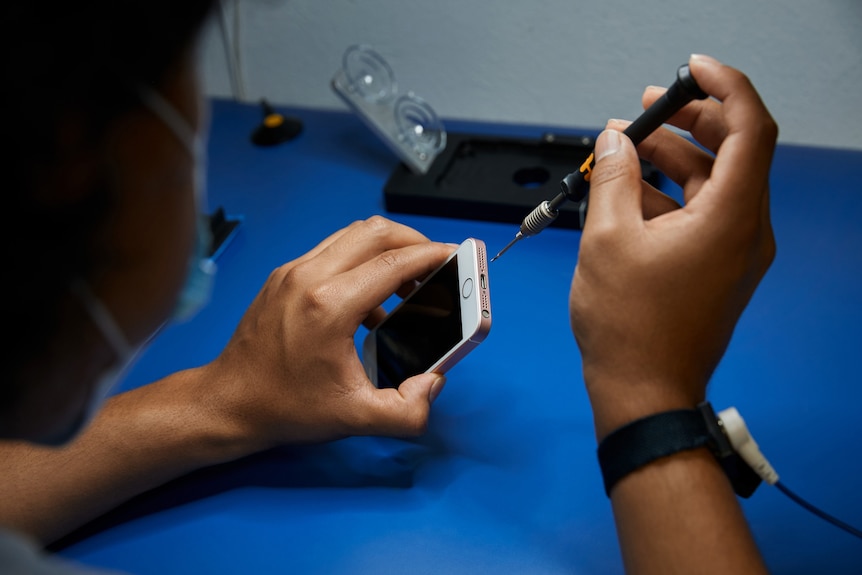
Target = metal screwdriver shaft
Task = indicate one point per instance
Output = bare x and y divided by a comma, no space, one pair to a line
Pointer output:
573,186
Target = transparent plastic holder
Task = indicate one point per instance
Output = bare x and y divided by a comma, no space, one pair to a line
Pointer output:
368,75
406,123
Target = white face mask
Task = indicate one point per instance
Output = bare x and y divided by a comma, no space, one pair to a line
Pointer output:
193,296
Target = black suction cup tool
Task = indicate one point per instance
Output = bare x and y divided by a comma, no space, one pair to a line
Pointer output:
275,128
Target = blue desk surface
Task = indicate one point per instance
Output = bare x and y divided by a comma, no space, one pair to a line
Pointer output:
506,479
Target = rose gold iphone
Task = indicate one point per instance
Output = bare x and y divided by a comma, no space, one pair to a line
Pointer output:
440,322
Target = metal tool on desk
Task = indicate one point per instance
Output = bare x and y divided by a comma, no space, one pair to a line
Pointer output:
573,186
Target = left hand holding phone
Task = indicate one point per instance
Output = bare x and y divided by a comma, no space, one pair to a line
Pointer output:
291,374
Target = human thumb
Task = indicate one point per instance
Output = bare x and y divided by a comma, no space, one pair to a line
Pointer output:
408,415
424,387
615,181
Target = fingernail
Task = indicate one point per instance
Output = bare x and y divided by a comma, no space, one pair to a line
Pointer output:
618,125
436,388
608,143
703,58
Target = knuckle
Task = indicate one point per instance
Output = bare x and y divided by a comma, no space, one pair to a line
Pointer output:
278,274
374,226
378,225
319,298
770,129
286,276
292,276
738,81
769,249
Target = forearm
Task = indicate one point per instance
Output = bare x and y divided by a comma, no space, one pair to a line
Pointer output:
678,514
141,439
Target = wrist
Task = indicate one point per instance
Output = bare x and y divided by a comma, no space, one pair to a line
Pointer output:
617,404
654,437
195,415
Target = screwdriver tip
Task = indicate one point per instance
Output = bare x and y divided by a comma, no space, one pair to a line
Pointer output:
518,236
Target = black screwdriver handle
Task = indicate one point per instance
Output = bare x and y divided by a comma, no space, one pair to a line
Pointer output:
680,93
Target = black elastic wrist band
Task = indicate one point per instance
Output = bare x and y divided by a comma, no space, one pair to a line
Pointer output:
645,440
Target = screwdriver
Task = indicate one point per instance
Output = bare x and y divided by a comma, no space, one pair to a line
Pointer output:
573,186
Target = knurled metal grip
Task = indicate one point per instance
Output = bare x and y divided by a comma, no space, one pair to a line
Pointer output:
537,220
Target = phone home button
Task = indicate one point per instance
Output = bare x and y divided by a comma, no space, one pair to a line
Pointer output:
467,288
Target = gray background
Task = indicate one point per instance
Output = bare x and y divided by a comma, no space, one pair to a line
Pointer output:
552,62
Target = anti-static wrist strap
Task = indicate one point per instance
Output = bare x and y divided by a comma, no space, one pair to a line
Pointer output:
645,440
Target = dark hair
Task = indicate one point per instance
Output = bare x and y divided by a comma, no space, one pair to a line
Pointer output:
68,64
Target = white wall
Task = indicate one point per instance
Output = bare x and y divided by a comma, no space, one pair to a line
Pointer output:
570,63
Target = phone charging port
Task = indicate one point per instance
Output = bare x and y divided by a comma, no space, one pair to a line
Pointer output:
482,281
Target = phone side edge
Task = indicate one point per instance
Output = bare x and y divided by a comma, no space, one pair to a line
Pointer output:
479,302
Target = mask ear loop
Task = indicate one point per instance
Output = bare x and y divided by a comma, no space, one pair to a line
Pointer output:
126,355
172,118
202,268
97,310
103,319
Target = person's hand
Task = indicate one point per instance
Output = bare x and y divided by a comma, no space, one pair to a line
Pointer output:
291,372
654,301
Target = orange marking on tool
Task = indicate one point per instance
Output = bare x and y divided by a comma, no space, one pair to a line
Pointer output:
587,167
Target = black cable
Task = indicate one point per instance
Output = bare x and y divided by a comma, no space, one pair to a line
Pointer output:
819,513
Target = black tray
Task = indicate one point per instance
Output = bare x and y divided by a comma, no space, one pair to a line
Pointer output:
494,178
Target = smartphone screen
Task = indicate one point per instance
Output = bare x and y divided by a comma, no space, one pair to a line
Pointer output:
422,330
437,324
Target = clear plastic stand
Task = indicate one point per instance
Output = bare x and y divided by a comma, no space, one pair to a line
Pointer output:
406,123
